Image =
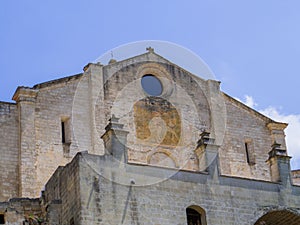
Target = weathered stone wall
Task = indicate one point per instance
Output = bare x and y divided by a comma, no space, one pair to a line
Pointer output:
53,105
61,198
245,126
9,139
201,106
164,128
86,101
118,194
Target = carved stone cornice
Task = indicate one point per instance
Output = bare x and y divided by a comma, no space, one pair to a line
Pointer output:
25,94
277,126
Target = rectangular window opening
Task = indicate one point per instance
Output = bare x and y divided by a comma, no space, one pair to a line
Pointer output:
249,153
66,135
2,220
63,132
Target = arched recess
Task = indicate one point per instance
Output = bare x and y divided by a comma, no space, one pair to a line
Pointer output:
195,215
162,158
279,217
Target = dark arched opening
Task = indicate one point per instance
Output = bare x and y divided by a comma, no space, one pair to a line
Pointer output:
279,217
195,215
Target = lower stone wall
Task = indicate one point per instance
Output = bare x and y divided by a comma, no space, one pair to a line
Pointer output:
115,193
23,211
61,198
101,190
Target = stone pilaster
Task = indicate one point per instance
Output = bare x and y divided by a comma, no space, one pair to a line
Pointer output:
94,72
25,98
279,164
207,153
218,111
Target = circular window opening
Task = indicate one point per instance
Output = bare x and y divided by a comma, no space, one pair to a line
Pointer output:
151,85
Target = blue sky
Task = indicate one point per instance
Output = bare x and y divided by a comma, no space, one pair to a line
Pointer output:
251,46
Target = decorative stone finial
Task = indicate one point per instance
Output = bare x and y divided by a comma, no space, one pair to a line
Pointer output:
114,119
275,146
276,150
150,49
279,163
115,138
205,139
111,61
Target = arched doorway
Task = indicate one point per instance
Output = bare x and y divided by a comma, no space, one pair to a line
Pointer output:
195,215
279,217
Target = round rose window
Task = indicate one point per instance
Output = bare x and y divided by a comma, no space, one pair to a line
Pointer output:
151,85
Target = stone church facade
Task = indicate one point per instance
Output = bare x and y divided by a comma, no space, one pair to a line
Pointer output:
141,141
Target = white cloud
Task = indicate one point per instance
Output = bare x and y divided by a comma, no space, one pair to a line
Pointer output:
292,131
250,101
